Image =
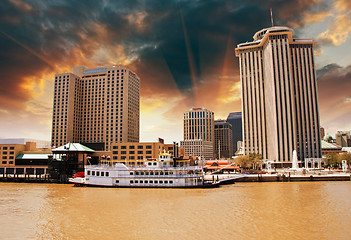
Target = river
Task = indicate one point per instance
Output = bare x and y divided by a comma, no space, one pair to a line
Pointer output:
285,210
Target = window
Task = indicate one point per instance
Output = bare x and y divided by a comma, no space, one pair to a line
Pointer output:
146,181
12,148
140,147
156,181
93,173
107,174
88,172
141,181
171,182
151,181
166,182
131,152
97,173
148,147
4,157
148,152
115,152
123,147
4,148
140,152
161,181
131,147
117,181
4,162
5,153
131,181
115,147
102,174
123,152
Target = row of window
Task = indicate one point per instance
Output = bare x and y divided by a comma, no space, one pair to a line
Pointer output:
5,153
132,152
5,162
149,181
151,173
5,148
133,147
96,173
5,157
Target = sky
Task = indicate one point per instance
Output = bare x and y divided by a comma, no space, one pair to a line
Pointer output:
183,52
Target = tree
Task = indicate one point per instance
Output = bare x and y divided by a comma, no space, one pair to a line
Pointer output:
253,160
332,160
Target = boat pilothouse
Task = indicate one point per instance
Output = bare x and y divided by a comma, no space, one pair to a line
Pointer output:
164,172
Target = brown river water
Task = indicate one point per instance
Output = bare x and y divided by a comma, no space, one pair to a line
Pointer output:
293,210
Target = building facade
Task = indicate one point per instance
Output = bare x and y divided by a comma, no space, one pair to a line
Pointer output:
198,130
343,138
279,96
132,152
96,107
223,145
235,119
198,148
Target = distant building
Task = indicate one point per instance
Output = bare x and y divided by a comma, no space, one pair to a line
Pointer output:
96,107
279,96
198,148
199,131
235,119
343,138
223,147
322,132
20,156
330,148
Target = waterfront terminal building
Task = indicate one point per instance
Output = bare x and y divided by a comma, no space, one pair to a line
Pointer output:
279,96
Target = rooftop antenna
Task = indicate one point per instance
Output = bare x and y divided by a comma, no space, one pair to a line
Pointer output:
271,17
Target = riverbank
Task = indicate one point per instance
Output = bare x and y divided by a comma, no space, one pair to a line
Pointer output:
282,177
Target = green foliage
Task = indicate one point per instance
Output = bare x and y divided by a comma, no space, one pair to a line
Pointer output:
251,161
335,159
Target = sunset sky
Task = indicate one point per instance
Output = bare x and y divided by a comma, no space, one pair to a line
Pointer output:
183,51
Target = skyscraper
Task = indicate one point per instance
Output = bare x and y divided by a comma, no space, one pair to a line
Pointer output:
279,96
235,119
96,107
223,147
198,133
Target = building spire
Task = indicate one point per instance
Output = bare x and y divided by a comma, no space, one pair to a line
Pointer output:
271,17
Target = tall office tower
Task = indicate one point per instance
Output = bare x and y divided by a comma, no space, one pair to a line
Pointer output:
235,119
96,107
279,96
198,126
223,146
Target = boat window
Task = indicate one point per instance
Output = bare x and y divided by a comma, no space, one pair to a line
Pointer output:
161,173
107,174
93,173
166,182
161,181
117,181
171,182
151,181
136,181
156,181
102,174
146,181
131,173
97,173
142,173
88,172
155,164
141,181
149,163
136,173
156,173
151,173
131,181
166,173
146,173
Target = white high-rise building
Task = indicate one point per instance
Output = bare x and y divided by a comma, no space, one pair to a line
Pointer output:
279,96
96,107
198,133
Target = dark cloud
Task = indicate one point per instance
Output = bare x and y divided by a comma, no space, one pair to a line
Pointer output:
174,41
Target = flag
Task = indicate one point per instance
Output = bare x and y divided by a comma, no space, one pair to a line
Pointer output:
161,140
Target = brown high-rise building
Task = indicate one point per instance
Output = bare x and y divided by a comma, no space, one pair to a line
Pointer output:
279,96
96,107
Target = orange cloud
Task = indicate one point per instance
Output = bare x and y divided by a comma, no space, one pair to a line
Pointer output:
339,32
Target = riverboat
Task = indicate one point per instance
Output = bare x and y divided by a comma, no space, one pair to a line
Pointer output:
164,172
